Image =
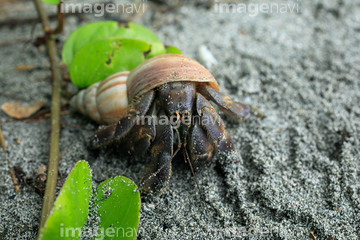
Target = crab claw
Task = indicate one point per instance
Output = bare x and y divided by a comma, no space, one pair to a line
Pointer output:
119,130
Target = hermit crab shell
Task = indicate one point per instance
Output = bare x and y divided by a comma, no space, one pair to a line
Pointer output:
166,68
105,102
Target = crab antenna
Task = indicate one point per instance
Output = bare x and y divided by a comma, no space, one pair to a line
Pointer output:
192,171
152,175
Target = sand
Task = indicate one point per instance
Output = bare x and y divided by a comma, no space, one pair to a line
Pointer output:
297,170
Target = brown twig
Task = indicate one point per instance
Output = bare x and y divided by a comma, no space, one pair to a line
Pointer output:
60,17
74,125
11,22
52,171
257,112
312,236
16,185
40,116
2,140
12,42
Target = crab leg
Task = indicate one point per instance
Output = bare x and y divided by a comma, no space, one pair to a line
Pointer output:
200,148
137,108
162,153
233,110
140,136
213,125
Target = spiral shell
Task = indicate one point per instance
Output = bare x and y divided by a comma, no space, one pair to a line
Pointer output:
105,102
166,68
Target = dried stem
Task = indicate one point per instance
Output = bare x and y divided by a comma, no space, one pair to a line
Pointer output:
2,140
257,112
16,185
52,169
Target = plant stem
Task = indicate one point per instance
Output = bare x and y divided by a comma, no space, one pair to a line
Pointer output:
52,169
13,178
2,140
60,15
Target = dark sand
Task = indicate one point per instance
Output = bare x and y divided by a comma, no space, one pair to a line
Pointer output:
299,168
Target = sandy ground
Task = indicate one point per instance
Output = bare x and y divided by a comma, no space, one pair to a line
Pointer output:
299,168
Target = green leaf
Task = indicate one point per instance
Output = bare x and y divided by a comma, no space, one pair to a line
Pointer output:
119,208
104,57
54,2
70,211
98,30
156,49
172,49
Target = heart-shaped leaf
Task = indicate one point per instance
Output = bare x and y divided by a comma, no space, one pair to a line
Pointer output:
71,208
105,29
54,2
156,49
119,208
104,57
172,49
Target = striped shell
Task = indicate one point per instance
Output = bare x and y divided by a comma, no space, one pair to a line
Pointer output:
105,102
166,68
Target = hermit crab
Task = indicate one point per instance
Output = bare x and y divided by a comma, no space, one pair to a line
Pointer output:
168,111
